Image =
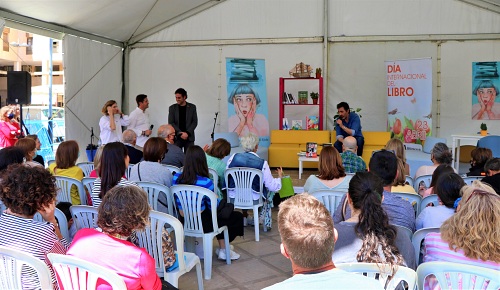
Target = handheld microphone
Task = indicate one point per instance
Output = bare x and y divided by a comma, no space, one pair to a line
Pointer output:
91,132
151,127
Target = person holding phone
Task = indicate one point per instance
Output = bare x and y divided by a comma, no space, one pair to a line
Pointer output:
111,123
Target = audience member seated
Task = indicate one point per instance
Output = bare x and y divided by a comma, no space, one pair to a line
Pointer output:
447,189
351,162
65,165
478,159
249,158
397,146
10,155
423,191
367,236
308,241
64,207
151,169
331,173
97,162
174,155
195,172
471,235
114,162
123,210
383,163
26,191
38,158
399,184
29,148
215,153
134,152
440,154
492,168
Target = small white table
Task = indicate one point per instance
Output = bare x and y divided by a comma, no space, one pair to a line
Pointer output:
308,159
456,146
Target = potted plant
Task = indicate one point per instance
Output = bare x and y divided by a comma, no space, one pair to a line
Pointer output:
484,129
318,73
314,97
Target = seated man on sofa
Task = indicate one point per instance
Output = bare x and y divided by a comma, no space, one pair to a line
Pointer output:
348,124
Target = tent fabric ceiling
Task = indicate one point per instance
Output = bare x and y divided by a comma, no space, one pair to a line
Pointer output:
118,20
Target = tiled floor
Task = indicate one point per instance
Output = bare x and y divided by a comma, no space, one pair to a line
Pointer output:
261,263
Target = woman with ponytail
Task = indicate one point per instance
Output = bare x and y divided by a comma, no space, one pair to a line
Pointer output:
367,236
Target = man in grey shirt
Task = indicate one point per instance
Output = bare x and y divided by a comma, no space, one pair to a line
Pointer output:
174,155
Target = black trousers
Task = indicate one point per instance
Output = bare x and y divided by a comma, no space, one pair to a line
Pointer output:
234,224
359,140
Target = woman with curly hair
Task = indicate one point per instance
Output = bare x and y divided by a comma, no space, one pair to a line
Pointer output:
471,235
440,154
114,162
331,173
25,191
123,210
367,236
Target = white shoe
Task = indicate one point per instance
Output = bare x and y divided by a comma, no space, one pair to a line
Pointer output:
231,247
234,255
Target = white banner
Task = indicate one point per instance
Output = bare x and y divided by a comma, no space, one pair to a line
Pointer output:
409,99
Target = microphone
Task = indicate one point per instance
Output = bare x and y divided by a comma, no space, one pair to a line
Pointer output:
91,132
151,127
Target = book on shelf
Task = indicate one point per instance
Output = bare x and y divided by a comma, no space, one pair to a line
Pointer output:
296,124
312,122
303,97
291,99
311,149
285,98
285,124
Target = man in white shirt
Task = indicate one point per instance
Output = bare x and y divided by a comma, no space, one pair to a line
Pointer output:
139,120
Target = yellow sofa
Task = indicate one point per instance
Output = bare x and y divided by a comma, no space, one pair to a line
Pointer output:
285,144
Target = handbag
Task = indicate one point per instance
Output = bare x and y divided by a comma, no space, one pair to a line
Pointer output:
224,209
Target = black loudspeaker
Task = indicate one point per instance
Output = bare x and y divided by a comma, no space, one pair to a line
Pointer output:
18,87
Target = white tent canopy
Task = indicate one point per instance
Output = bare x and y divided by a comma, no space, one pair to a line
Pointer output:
171,44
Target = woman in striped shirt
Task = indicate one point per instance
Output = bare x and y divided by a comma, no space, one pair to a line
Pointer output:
26,191
114,162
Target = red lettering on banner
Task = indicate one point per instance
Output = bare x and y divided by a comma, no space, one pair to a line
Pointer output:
393,68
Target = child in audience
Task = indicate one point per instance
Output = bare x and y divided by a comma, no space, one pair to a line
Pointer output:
64,207
441,169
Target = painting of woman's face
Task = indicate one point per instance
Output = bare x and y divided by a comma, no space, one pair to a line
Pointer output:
485,95
245,102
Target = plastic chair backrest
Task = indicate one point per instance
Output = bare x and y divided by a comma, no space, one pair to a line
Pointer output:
405,231
64,192
154,190
459,276
88,184
414,199
417,239
12,263
2,207
128,170
76,273
61,220
84,216
409,180
426,179
381,272
433,198
190,198
50,162
215,179
86,167
173,169
469,179
243,178
329,198
490,142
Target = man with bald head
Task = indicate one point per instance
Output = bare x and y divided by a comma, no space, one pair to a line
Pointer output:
134,152
174,155
350,160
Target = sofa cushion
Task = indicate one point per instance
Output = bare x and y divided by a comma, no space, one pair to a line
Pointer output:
231,137
299,136
430,142
376,138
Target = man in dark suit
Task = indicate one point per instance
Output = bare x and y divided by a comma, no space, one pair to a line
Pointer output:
174,155
134,151
183,117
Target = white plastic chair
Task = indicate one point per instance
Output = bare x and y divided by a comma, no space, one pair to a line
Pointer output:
381,272
11,265
61,220
86,167
405,231
76,273
128,171
424,178
50,162
469,179
88,184
215,179
64,192
459,276
154,190
151,240
329,198
84,216
190,198
243,178
433,198
173,169
413,199
2,207
417,239
409,179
